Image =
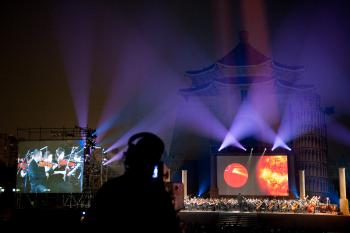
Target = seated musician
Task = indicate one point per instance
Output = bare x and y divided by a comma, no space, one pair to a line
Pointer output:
47,162
240,200
36,173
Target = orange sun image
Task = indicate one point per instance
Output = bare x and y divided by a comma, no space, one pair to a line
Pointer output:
272,175
235,175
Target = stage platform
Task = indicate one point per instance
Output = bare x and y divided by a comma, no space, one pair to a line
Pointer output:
317,222
196,221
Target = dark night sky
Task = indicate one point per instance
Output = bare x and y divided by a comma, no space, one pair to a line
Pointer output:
181,35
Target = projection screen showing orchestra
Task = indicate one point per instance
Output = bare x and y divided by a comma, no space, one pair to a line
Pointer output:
50,166
253,175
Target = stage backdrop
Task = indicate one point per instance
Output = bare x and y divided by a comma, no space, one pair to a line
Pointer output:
253,175
62,163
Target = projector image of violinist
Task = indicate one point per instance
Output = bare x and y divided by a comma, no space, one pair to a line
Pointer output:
59,179
57,168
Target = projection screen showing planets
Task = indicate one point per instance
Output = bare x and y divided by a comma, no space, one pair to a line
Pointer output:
256,175
235,175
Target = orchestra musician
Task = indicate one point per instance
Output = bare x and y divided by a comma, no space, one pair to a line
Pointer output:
240,200
56,180
37,174
74,175
47,163
66,171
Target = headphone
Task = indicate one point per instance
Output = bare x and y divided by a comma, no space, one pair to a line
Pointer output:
144,147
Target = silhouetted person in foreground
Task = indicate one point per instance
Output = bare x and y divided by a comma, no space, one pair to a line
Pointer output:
135,201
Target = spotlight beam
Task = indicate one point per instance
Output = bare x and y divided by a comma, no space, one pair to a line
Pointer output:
251,152
250,157
280,143
231,140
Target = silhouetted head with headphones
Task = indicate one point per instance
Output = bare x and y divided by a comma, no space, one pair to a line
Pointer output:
144,152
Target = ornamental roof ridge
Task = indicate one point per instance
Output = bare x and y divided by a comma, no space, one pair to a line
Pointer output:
287,67
205,70
243,54
300,87
245,66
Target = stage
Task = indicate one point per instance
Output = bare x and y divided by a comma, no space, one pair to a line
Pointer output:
195,221
318,222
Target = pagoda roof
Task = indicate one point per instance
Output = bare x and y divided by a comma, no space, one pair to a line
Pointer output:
210,88
294,86
243,79
204,70
243,55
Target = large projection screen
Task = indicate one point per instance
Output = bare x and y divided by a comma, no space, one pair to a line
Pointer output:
50,166
253,175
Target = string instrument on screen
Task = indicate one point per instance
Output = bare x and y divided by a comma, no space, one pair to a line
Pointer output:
64,162
45,164
23,163
69,162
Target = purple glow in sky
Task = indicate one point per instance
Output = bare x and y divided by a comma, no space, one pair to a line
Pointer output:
121,61
76,36
248,122
339,133
198,118
160,122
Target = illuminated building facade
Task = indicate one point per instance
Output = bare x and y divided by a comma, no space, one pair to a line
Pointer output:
225,85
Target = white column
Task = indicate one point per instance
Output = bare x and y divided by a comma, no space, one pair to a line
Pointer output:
344,204
302,184
184,181
168,177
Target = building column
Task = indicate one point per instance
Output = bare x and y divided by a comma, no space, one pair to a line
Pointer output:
302,184
167,174
213,179
184,181
344,204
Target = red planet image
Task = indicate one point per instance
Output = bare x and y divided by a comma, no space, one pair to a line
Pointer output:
235,175
272,175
